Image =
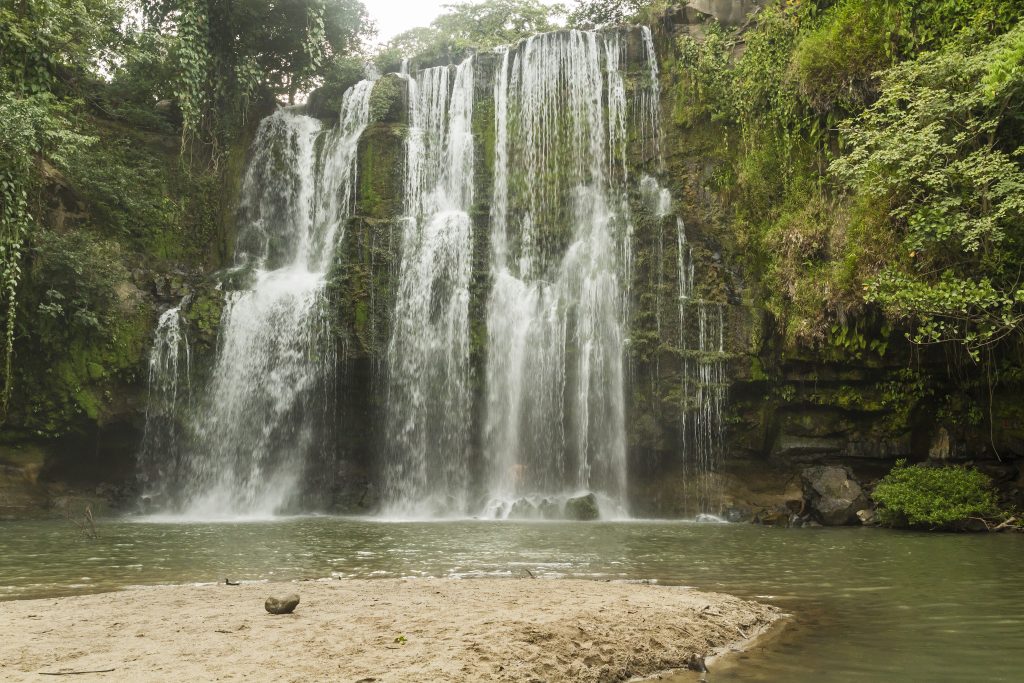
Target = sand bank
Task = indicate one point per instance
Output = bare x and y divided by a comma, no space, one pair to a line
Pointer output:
378,630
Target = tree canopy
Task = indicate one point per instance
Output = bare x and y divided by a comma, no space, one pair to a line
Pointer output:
480,25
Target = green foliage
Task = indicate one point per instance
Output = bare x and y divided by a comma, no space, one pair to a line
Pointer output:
929,25
383,97
30,126
867,174
929,150
706,91
80,274
86,326
48,45
920,496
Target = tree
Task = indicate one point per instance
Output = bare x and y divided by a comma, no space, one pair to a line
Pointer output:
494,22
600,13
229,52
47,45
468,25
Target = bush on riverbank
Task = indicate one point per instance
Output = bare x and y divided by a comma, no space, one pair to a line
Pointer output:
934,497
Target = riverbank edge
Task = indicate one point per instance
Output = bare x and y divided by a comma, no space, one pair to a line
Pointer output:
384,630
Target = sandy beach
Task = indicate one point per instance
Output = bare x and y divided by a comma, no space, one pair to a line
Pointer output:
376,630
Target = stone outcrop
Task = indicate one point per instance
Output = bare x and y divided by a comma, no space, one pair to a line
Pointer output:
833,495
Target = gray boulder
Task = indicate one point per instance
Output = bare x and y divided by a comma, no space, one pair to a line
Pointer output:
833,495
285,605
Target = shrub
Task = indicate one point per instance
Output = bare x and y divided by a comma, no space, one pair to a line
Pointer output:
936,497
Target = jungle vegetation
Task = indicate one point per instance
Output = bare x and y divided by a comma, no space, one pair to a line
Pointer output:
873,152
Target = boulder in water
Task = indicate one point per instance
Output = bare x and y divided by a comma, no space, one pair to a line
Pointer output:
549,509
522,509
285,605
833,495
582,508
867,517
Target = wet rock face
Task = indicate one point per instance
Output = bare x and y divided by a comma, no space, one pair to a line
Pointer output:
833,495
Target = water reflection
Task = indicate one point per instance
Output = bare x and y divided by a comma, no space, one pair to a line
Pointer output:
869,605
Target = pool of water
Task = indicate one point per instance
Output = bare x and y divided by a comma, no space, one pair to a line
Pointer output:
867,604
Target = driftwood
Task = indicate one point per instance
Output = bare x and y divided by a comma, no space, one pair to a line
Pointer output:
72,673
1008,524
87,525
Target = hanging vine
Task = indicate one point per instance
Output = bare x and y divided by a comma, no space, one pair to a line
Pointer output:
17,142
193,67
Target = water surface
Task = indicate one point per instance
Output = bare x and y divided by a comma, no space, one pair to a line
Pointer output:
868,605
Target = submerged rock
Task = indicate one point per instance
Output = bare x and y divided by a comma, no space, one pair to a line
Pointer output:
582,508
867,517
285,605
833,495
522,509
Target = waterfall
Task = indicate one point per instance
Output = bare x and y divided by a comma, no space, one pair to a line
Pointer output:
555,419
265,416
429,400
506,367
168,396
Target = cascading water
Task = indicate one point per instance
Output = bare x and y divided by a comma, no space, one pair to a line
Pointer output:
553,375
555,421
265,416
429,402
169,395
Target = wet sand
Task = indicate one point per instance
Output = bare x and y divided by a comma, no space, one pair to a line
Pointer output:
376,630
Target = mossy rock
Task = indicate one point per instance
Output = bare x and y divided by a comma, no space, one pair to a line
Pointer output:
582,508
203,314
381,171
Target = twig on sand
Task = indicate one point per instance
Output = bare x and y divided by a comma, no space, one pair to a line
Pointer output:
72,673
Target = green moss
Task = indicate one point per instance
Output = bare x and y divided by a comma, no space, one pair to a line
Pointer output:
381,171
757,373
203,315
835,63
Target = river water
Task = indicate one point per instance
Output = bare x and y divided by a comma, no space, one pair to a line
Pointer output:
867,604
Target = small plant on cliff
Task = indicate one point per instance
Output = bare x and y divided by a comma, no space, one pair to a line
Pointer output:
933,497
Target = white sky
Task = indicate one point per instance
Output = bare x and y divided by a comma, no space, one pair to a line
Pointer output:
396,16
